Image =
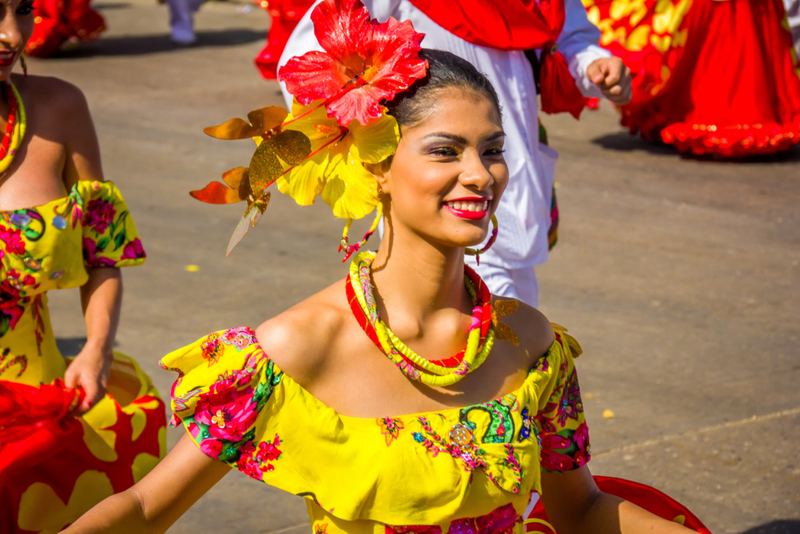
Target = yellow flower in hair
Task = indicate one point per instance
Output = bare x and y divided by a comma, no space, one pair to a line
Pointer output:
335,170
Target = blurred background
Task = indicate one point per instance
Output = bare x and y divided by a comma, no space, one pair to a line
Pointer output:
680,275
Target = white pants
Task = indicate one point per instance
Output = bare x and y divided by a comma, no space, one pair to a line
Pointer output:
180,15
520,284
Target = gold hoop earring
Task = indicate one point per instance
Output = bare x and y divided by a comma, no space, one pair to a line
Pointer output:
492,239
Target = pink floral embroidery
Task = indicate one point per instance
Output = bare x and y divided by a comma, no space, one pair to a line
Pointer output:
390,428
255,461
211,447
12,239
91,257
554,441
247,464
269,451
414,529
240,338
133,250
499,521
99,214
555,461
470,454
570,405
581,436
211,349
228,411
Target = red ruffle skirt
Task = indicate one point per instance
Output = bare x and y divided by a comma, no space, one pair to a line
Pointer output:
710,76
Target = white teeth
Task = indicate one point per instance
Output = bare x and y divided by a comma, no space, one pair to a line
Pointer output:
469,206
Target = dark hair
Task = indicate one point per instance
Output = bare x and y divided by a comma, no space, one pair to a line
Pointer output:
445,70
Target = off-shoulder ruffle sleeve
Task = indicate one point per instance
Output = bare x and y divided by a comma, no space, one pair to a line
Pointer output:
560,419
225,381
110,238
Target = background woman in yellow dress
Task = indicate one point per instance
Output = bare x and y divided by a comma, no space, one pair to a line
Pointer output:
62,226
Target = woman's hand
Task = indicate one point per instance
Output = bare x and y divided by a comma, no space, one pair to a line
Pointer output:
575,505
101,297
89,371
613,78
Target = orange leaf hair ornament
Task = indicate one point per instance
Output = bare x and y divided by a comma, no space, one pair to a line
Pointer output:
337,122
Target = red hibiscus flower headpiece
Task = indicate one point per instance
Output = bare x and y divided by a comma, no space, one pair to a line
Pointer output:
364,62
336,125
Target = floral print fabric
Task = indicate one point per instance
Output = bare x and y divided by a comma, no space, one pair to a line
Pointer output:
53,246
109,448
410,473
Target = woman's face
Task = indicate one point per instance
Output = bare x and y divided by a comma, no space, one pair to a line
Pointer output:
16,27
448,172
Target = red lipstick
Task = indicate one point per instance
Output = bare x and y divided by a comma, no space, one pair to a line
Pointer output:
471,208
7,58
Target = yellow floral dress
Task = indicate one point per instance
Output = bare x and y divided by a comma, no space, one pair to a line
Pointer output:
473,469
122,438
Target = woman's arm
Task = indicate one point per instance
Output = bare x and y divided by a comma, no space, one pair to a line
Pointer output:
575,505
159,499
101,297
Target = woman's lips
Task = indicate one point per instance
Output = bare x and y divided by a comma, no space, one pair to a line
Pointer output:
7,58
474,209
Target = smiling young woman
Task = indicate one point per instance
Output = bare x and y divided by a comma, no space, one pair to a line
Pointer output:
62,226
353,398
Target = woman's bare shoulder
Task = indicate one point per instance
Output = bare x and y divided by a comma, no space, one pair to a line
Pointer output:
53,94
298,339
534,331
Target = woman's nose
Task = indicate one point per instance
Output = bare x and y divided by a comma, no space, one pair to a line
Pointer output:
476,173
9,28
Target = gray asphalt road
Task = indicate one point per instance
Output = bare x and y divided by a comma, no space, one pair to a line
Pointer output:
679,276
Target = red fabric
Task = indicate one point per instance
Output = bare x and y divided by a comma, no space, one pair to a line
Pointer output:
60,20
515,25
731,90
34,420
40,442
646,497
285,15
476,21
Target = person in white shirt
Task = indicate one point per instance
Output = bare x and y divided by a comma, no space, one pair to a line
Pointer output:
524,210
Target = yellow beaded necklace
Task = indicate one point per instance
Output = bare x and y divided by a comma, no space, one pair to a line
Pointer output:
409,362
15,128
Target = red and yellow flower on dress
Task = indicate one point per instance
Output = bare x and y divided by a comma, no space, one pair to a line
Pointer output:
337,124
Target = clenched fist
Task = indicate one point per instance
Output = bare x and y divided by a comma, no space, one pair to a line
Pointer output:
613,78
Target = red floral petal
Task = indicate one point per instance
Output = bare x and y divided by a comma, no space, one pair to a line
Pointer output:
342,27
360,104
385,56
393,56
313,76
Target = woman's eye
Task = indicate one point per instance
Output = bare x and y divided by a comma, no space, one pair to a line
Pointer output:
444,151
25,9
496,151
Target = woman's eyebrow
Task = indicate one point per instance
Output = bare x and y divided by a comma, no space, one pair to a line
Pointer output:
494,136
451,137
461,140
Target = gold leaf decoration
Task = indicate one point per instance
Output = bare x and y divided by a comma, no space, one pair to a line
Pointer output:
261,122
291,146
503,332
